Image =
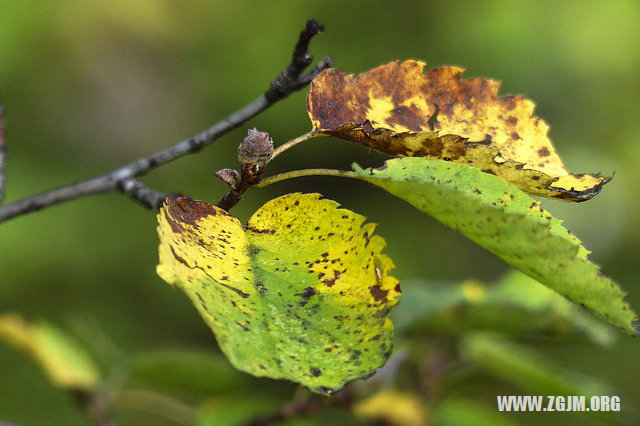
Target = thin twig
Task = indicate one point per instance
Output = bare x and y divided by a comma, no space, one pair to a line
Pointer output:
305,172
305,408
293,142
156,403
143,194
281,87
97,405
233,197
3,153
288,82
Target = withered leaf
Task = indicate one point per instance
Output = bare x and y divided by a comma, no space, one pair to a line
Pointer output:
402,111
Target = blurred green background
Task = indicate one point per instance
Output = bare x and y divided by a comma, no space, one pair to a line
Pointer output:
89,86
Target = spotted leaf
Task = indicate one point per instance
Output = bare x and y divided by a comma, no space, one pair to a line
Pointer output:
302,294
401,111
508,223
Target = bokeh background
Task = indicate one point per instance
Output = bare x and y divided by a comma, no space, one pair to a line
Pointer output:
89,86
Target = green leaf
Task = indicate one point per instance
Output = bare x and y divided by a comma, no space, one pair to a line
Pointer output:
515,305
454,412
526,368
62,358
235,409
302,295
508,223
185,371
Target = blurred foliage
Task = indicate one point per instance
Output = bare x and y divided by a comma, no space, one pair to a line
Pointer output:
525,368
90,86
59,355
515,305
396,408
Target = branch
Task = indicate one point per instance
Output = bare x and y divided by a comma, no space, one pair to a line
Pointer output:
306,408
284,85
288,82
141,193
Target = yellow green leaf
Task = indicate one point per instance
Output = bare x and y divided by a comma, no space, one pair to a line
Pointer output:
509,224
63,360
399,110
303,294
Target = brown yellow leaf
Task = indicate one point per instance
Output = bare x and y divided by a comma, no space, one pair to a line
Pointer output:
402,111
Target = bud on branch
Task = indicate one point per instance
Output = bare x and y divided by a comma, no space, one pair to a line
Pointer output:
254,154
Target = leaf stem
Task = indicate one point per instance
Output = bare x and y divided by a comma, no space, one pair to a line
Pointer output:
293,142
156,403
305,172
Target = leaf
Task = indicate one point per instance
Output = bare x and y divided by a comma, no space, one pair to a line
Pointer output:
454,412
62,358
509,224
192,372
392,407
234,409
302,295
401,111
515,305
525,367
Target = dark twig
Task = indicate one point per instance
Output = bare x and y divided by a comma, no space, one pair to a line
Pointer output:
286,83
3,153
97,405
433,373
143,194
282,86
233,197
305,408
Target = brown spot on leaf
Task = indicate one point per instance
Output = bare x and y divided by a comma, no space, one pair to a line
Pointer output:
306,295
183,210
331,281
378,293
261,231
178,258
